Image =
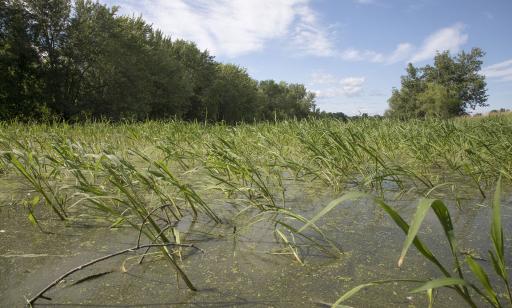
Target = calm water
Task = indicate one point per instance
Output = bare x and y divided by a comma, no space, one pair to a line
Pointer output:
246,269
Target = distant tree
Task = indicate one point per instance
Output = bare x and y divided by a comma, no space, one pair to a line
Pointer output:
77,59
200,69
339,115
439,101
283,100
20,84
330,115
453,81
404,102
299,101
234,95
50,20
272,95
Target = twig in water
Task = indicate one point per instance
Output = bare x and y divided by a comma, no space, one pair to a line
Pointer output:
40,294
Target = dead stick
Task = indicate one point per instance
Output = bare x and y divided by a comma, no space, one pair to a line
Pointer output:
56,281
156,238
146,218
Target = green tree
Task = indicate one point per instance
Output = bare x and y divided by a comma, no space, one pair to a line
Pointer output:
50,21
283,100
461,74
439,101
89,34
20,84
234,95
457,80
79,59
200,70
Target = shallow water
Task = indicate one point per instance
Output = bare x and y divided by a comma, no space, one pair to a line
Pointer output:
244,269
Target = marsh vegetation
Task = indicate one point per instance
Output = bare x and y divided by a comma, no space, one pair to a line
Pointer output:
315,195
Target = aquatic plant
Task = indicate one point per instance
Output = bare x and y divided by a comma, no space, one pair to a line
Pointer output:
153,175
459,282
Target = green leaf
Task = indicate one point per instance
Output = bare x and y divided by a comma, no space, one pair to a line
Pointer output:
421,212
360,287
118,222
33,220
497,230
417,242
431,298
444,218
331,205
483,278
439,283
35,200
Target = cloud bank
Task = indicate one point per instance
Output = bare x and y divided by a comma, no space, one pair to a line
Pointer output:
235,27
331,86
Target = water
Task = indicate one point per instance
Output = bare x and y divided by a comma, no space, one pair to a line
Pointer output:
245,269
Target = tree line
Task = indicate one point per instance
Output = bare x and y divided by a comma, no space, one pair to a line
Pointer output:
76,60
450,87
80,60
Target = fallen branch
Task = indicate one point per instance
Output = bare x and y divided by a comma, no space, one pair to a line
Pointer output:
56,281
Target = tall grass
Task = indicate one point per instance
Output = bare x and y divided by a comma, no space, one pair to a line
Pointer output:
152,175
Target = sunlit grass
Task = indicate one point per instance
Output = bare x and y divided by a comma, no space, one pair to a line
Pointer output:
152,175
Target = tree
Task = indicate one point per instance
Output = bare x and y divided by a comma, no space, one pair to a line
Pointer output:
404,102
200,69
234,95
78,59
50,22
89,34
283,100
20,84
450,80
439,101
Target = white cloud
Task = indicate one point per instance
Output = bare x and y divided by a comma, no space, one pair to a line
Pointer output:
318,78
237,27
401,52
309,37
450,38
352,85
502,70
352,54
333,87
234,27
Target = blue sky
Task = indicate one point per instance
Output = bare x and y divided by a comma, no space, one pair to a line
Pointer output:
350,52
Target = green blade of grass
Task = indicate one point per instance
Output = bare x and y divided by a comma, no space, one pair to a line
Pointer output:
360,287
439,283
334,203
484,280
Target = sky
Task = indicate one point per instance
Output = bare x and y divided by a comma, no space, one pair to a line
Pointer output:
351,53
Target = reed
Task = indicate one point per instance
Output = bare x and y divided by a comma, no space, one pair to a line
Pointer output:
152,175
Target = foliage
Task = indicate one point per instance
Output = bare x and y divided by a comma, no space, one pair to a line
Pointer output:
449,88
79,60
458,282
282,100
157,175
